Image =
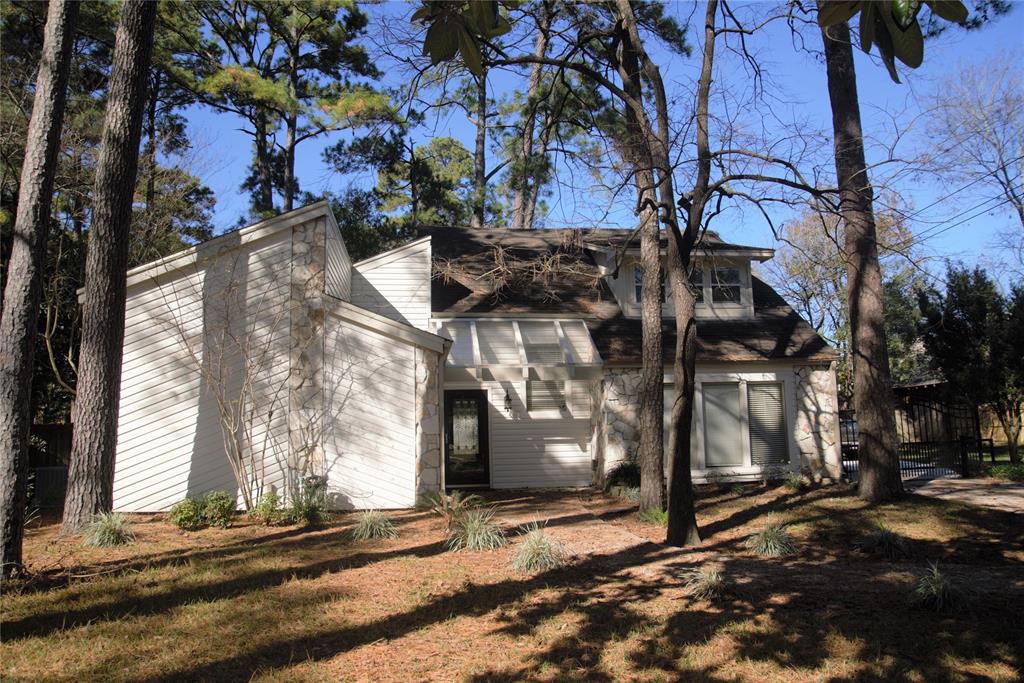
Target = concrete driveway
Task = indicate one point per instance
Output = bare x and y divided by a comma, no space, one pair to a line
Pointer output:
1007,496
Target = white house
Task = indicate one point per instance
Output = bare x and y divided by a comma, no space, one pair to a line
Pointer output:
488,358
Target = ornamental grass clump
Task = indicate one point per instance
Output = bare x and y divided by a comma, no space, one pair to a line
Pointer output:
772,541
373,524
883,542
450,506
537,552
109,529
476,530
936,591
704,583
795,482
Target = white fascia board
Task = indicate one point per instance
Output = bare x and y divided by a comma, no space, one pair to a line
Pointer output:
389,256
386,326
247,235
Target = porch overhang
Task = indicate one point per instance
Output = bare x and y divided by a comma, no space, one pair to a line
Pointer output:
515,349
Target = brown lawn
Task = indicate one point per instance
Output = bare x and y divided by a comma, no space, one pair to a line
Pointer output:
291,604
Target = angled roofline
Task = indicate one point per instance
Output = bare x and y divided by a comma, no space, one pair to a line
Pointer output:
247,235
392,328
390,255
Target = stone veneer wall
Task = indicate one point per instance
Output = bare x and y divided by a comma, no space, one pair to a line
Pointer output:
621,416
428,421
817,421
306,326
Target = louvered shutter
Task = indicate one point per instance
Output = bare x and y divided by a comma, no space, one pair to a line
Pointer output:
544,395
767,424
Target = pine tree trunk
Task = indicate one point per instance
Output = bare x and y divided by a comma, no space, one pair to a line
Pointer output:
879,467
91,471
525,186
25,274
652,372
150,149
480,154
264,204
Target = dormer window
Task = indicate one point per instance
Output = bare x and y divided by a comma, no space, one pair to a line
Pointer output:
638,283
726,286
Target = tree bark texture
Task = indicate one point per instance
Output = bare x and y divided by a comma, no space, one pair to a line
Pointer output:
91,471
264,203
652,372
25,274
879,467
525,190
480,153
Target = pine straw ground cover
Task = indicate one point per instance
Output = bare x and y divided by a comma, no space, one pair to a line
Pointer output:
284,603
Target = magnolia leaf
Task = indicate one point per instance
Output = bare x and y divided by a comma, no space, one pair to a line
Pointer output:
904,12
422,14
470,52
500,28
884,41
867,27
950,10
907,45
837,12
483,15
441,43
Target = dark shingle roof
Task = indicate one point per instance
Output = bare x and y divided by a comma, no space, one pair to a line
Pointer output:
468,279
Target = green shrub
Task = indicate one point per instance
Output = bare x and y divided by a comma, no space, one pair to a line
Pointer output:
705,584
109,529
450,506
1007,471
626,474
935,591
737,489
186,514
794,481
883,542
268,509
218,508
373,524
309,505
476,530
537,552
654,516
772,541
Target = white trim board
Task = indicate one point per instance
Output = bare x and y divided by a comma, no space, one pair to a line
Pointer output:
384,325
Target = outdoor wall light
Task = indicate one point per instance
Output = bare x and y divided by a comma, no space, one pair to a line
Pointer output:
508,403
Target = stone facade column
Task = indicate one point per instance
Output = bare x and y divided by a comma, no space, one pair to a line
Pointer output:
306,353
428,421
622,416
817,421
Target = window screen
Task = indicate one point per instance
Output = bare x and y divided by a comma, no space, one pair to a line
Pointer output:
725,286
544,395
767,424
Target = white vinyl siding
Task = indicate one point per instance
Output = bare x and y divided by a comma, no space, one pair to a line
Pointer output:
461,352
370,422
497,343
767,419
169,442
543,449
396,284
338,269
541,342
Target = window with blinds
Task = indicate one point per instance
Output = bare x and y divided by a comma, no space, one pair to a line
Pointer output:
545,395
767,424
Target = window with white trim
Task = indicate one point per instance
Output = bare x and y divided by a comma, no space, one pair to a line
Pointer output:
726,286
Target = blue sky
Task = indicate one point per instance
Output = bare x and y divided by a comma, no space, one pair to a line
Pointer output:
798,84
